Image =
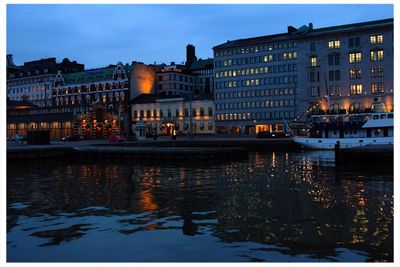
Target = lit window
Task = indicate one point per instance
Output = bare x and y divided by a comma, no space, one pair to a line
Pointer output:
376,39
377,55
372,39
355,57
313,61
334,44
356,89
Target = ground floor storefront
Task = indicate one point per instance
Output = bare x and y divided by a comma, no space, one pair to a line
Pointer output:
167,127
250,128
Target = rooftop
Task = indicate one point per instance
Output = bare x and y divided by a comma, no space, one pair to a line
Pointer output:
92,75
308,31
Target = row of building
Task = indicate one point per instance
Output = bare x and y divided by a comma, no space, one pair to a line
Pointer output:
250,85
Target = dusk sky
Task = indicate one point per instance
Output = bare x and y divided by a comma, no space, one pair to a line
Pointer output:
98,35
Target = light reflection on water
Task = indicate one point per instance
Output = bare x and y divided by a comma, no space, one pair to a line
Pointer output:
279,206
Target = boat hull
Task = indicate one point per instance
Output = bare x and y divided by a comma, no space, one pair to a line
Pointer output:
345,143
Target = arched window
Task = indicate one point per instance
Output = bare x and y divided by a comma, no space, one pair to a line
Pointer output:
116,96
335,107
355,107
122,96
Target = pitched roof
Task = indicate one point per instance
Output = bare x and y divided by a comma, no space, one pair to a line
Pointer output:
93,75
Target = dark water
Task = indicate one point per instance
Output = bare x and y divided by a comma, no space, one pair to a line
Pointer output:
278,206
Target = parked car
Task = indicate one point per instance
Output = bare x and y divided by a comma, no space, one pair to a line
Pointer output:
117,138
273,135
73,137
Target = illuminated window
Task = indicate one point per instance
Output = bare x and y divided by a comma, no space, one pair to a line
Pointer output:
355,73
377,88
334,44
377,55
376,39
356,89
313,61
355,57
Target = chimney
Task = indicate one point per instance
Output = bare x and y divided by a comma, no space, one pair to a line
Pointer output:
10,60
310,26
190,55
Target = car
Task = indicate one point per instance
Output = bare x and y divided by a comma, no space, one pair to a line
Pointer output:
117,138
73,137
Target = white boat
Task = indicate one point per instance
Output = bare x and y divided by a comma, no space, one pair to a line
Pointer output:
349,131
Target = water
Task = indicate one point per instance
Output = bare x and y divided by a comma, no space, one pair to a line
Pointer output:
277,206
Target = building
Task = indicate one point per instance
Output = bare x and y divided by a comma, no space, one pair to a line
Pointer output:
99,97
182,99
263,82
186,115
33,80
23,116
345,67
142,79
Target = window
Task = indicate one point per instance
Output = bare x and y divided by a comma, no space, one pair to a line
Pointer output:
376,55
330,59
313,61
210,111
334,44
355,57
337,59
201,111
355,73
376,39
312,47
334,90
377,88
351,42
314,91
356,89
331,75
337,75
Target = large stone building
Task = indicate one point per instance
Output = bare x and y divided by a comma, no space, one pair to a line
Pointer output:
262,82
33,80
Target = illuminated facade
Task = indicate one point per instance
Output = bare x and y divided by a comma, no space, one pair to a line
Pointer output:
100,97
33,80
185,115
264,81
345,67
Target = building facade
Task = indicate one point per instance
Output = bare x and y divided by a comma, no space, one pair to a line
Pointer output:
344,67
185,115
99,97
22,117
264,82
33,80
182,99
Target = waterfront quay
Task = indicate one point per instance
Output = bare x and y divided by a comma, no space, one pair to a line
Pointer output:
203,147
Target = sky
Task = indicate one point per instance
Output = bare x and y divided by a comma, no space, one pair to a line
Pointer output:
99,35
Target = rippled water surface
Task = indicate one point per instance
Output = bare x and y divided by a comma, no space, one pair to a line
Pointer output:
277,206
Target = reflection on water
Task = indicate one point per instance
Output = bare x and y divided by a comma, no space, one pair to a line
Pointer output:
285,206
